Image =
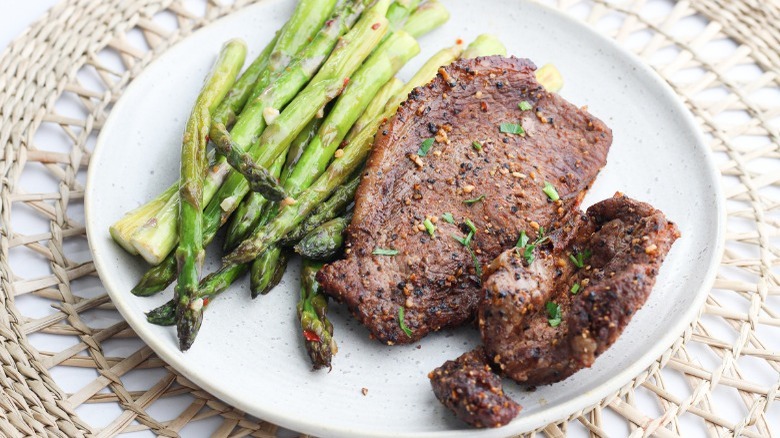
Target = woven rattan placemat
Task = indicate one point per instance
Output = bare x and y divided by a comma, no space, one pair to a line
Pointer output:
59,79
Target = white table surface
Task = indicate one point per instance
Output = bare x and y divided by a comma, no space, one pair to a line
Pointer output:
15,17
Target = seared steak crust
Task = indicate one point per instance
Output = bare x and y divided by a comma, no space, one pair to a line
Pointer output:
622,243
469,388
434,277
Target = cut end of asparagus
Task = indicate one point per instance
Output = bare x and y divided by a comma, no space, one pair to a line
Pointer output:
121,234
149,252
550,78
484,45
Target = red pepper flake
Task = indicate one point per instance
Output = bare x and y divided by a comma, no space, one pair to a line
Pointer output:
458,41
311,336
329,22
375,26
205,301
346,81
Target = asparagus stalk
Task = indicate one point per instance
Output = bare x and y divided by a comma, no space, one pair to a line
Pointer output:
210,287
298,145
249,211
259,178
329,209
189,255
234,101
375,108
427,17
317,330
267,271
325,241
155,242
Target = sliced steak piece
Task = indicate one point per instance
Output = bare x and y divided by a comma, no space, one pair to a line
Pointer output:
496,184
469,388
620,244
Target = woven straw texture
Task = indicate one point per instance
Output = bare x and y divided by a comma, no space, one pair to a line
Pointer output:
58,82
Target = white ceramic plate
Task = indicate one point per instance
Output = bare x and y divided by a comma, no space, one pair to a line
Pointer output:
249,353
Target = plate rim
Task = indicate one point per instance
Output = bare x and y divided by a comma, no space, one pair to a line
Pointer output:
523,424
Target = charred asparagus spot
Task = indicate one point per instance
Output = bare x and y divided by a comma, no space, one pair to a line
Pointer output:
193,166
312,313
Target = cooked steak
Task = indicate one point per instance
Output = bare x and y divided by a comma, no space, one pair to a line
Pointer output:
595,273
461,150
473,391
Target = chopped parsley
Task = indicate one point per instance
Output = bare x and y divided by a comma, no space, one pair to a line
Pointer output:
477,266
401,322
553,314
476,145
471,225
474,200
524,105
523,240
550,191
466,241
385,252
511,128
528,248
575,288
448,218
425,146
580,258
429,226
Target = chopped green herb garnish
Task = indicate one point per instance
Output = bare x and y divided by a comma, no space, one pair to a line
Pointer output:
474,200
524,105
448,218
401,322
429,226
575,288
385,252
476,145
512,128
580,258
550,191
463,240
523,240
553,314
528,248
471,225
477,266
425,147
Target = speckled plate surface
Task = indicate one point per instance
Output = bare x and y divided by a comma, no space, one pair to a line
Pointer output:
249,352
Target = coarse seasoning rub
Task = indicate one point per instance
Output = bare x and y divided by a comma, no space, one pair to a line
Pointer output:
470,160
